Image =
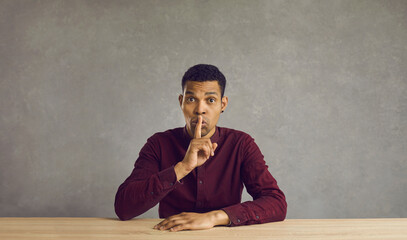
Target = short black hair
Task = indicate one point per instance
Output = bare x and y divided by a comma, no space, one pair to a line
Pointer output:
202,73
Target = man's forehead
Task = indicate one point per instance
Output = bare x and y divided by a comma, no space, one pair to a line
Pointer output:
192,87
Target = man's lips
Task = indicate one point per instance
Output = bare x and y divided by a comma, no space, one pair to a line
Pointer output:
195,122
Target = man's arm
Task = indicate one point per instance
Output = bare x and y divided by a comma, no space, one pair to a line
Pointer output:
269,204
146,185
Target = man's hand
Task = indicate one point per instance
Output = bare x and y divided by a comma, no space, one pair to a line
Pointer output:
199,150
193,221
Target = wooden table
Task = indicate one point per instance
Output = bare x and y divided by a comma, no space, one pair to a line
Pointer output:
104,228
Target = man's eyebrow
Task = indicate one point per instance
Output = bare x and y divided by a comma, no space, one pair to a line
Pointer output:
211,93
207,93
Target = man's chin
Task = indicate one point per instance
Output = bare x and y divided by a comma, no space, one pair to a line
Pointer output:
204,131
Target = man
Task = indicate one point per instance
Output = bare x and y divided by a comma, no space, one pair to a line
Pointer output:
197,173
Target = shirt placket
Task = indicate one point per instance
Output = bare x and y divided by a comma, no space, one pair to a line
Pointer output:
200,181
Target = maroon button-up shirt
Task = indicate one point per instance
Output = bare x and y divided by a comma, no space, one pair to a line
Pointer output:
215,185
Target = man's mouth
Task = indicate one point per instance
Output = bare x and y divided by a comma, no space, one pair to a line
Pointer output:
195,122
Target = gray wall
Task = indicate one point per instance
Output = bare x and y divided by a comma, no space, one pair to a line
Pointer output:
320,85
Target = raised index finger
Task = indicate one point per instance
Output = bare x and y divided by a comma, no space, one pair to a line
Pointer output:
198,127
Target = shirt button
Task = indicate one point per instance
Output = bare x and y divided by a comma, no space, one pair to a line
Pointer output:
171,184
200,181
257,217
238,220
152,193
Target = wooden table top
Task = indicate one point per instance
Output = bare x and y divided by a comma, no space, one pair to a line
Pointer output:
108,228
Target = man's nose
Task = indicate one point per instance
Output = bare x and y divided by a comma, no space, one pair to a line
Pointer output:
200,108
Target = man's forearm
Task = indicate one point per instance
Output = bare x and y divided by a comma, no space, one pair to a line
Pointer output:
136,196
262,210
181,170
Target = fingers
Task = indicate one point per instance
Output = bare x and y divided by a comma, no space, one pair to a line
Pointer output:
171,222
184,221
180,227
214,146
174,226
207,150
205,147
198,127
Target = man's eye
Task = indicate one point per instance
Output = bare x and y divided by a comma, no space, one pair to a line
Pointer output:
211,100
190,99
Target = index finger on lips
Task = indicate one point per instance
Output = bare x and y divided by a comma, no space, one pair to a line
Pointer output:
198,127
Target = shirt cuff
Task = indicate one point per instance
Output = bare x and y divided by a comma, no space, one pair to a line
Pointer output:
236,216
168,178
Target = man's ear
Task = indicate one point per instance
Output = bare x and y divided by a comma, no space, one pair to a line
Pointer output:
224,103
180,97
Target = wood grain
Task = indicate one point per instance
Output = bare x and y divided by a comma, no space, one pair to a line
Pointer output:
104,228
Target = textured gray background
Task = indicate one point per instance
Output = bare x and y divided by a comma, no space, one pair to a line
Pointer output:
320,85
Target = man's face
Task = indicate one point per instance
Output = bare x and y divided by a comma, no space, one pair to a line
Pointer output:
202,98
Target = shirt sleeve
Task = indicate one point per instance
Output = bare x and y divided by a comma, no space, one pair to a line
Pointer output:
269,204
146,185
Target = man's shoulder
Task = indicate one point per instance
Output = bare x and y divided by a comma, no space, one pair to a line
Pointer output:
234,133
168,134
